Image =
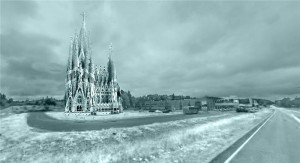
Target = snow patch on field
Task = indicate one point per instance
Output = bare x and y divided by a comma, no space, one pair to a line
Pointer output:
9,125
124,115
178,141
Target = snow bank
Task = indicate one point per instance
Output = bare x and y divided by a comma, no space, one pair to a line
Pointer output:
124,115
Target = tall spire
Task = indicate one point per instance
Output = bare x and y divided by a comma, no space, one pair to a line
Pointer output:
75,52
91,66
110,65
110,51
115,75
83,19
83,40
86,58
70,54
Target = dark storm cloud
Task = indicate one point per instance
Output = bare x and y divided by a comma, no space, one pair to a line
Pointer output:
16,44
27,62
29,58
194,48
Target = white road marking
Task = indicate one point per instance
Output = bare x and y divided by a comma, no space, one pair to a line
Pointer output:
296,118
242,146
288,112
295,111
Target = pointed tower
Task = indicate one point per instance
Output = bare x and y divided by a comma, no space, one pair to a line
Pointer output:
83,40
96,74
75,61
70,55
91,71
81,56
70,60
75,64
110,66
69,67
89,89
68,83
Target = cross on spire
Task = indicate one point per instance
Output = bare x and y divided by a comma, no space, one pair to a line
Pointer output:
110,47
83,17
110,51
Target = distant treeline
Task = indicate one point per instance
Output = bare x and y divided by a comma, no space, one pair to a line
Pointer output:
264,102
129,101
4,101
47,101
288,102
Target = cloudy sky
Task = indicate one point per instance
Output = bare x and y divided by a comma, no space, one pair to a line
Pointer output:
196,48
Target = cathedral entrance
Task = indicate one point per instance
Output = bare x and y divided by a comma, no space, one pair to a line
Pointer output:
88,104
79,108
70,105
79,101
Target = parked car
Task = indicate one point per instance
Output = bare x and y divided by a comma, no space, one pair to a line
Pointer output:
253,110
166,110
152,110
242,109
190,110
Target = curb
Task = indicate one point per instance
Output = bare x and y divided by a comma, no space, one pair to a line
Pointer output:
222,156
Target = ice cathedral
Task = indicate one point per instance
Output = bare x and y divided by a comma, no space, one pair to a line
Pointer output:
90,89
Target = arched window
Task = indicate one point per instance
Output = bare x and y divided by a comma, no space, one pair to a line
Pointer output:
79,99
88,102
70,104
98,99
104,99
108,98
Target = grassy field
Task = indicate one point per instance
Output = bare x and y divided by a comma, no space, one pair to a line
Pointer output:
28,108
189,140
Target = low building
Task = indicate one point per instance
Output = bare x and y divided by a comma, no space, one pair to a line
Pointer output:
209,103
227,104
175,104
206,103
233,102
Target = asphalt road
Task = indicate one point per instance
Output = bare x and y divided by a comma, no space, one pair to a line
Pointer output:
278,141
42,121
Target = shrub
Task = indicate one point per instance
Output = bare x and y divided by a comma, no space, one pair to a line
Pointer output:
47,108
50,101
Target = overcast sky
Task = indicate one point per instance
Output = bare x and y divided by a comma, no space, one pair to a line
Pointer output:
193,48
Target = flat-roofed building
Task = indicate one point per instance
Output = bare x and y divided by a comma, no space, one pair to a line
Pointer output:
206,103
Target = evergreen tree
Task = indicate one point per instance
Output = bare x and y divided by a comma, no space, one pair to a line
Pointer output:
180,105
173,96
125,99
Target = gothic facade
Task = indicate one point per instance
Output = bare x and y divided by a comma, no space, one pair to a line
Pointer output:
89,88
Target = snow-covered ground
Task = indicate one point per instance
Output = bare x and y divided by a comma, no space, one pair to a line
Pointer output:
127,114
293,113
189,140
